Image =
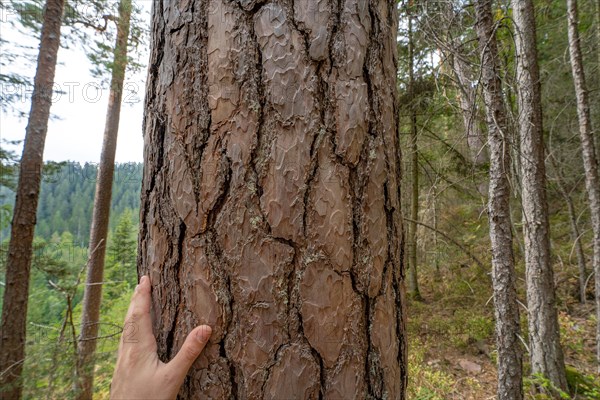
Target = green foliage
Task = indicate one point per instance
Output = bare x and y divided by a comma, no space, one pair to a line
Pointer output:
51,169
10,82
543,388
425,382
113,313
88,24
463,328
570,333
58,269
26,14
121,260
99,19
8,166
30,14
55,309
5,216
67,198
8,172
583,386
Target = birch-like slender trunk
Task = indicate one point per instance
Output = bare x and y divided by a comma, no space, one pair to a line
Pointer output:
544,335
18,263
510,353
588,150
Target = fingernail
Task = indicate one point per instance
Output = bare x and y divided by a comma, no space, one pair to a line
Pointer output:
204,333
143,279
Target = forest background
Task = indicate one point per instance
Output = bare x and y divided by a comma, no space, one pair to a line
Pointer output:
451,318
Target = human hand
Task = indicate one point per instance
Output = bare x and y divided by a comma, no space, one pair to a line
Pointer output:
139,374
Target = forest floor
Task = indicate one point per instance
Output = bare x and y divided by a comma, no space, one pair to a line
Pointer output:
451,339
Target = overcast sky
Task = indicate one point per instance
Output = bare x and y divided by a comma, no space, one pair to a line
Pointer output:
77,129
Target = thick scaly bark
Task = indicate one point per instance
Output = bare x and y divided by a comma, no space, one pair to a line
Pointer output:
544,335
95,268
270,202
510,354
14,308
588,150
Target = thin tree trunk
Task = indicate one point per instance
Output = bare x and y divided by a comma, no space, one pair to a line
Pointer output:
413,281
271,202
598,33
575,234
588,150
598,55
544,334
436,260
472,256
520,249
455,51
468,105
14,306
98,233
510,354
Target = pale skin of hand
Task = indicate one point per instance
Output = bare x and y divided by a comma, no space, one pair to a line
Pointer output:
139,374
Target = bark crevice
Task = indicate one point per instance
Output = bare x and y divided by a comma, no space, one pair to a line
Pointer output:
291,205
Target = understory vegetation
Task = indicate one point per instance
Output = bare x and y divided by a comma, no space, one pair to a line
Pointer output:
451,331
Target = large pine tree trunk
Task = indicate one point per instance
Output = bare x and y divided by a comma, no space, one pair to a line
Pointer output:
544,335
14,306
270,201
510,354
102,199
588,150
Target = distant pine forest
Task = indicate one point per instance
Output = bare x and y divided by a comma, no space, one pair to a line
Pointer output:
60,253
67,199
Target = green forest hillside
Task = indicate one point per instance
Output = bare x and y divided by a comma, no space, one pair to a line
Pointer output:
59,257
67,198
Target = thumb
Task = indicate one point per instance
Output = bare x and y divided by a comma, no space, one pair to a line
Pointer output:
191,349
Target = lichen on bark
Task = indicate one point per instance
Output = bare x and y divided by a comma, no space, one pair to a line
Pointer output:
270,200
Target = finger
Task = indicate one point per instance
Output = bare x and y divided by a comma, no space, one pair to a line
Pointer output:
138,323
191,349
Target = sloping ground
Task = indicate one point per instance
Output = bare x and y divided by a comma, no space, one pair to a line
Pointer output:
451,339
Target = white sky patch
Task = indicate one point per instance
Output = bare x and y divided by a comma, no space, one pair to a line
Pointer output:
76,130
